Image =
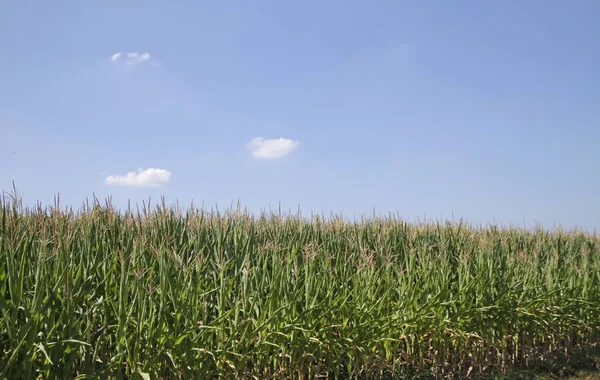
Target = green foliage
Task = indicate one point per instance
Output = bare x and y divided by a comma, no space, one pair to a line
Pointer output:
159,293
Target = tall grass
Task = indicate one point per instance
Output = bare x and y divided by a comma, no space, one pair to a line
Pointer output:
164,293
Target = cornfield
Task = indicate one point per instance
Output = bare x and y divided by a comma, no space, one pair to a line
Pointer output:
168,293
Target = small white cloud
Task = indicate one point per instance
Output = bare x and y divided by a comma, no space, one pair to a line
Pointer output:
142,178
115,57
136,57
271,148
132,58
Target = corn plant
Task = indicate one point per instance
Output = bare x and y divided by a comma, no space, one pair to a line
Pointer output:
164,293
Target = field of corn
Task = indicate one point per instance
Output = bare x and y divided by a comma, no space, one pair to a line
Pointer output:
166,293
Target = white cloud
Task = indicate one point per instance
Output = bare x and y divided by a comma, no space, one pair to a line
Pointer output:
115,57
271,148
131,58
142,178
136,57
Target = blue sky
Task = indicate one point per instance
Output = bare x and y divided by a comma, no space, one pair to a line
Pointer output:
483,110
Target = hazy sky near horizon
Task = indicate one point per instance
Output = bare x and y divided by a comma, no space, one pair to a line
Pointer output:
486,110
